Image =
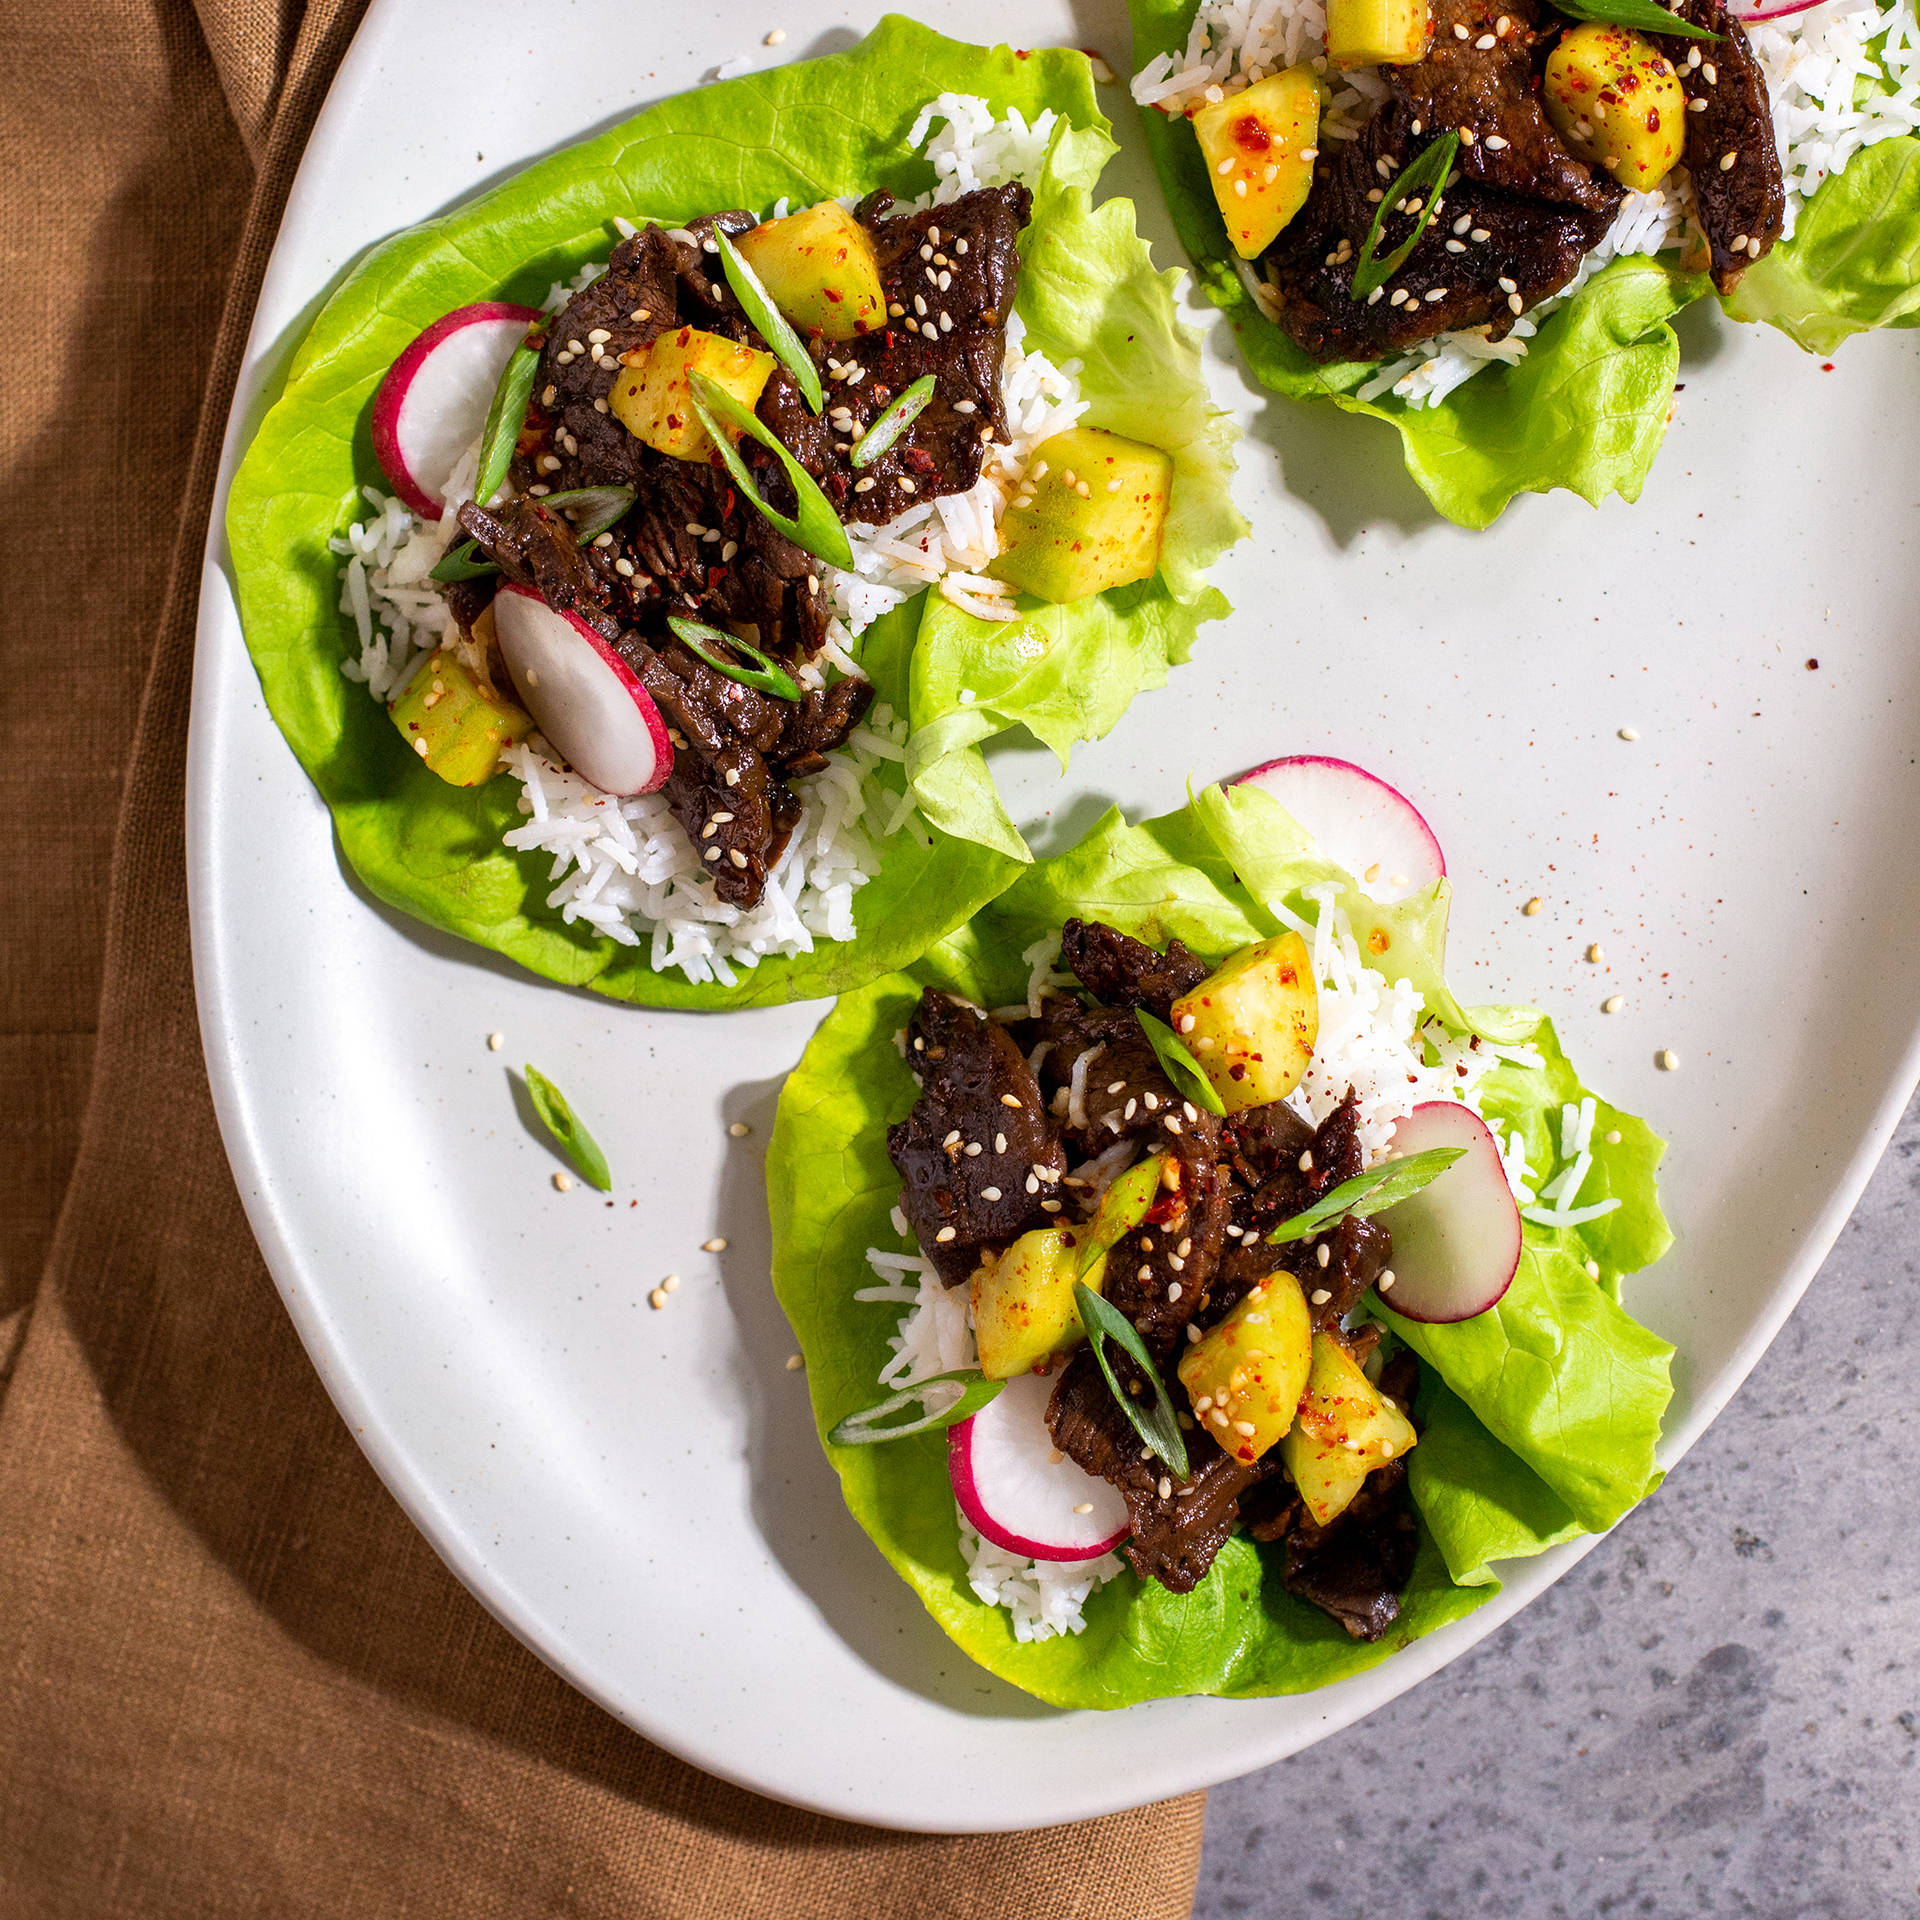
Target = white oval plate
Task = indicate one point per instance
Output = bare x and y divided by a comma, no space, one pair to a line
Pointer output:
638,1495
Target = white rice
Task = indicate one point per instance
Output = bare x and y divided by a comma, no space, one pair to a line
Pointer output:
1814,64
626,867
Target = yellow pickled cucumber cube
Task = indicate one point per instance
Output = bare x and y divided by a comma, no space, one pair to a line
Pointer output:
1088,516
457,726
1023,1304
1378,33
1345,1429
1252,1026
1260,145
653,397
1245,1376
1617,102
819,268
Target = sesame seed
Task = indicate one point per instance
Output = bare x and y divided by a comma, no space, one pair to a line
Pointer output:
1480,236
1459,32
1594,954
1666,1060
1436,293
1468,136
1693,57
920,305
1753,248
1192,1112
1130,1109
1319,1296
1225,167
773,39
864,486
1085,1506
563,1183
1306,1161
1629,733
1323,1254
1739,243
657,1299
943,1236
495,1041
1456,246
1011,1100
974,1149
989,1193
1033,1183
1613,1003
1373,299
1385,1282
1243,1427
1166,1487
1697,106
1727,160
712,853
1485,45
549,396
999,1143
738,858
1613,1137
1383,167
964,406
1713,79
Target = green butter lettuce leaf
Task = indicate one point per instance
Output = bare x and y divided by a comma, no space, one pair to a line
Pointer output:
825,127
1587,408
1506,1481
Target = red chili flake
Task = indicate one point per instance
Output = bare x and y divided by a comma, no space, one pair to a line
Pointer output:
1250,135
1826,366
1813,666
714,576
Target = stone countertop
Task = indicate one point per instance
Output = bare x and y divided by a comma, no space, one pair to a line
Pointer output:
1683,1725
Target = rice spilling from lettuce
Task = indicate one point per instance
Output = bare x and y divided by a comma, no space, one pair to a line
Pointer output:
1841,77
625,867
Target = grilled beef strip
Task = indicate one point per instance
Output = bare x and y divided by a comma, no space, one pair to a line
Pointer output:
1356,1568
979,1157
1744,202
1123,972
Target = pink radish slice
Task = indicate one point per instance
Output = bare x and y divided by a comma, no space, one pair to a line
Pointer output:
1368,827
588,701
1456,1243
433,403
1011,1488
1754,15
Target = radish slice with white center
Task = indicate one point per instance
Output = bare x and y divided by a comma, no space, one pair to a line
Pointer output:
1357,820
1456,1243
432,406
587,700
1017,1493
1768,11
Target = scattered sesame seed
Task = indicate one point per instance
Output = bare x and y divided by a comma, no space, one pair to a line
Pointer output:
715,1245
1243,1427
1319,1296
1385,1282
1629,733
495,1041
1533,906
989,1193
657,1299
1323,1254
1480,236
1594,954
1666,1060
1496,143
1727,160
1613,1137
1460,32
1011,1100
944,1235
1085,1506
563,1182
1613,1003
999,1143
739,1130
1306,1161
1593,1269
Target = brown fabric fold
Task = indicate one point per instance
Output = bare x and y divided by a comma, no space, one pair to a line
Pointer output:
233,1679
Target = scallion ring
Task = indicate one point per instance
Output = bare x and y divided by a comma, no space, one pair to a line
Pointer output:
893,423
764,676
815,526
757,304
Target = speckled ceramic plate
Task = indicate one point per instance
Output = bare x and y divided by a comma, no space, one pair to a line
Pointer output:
637,1494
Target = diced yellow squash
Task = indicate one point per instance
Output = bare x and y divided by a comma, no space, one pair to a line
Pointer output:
456,725
1377,33
819,268
1245,1376
1260,145
1617,102
1124,1205
1345,1429
653,397
1088,516
1252,1026
1023,1304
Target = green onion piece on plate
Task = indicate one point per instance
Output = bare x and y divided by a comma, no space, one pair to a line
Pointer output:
757,304
816,526
597,509
764,676
1424,175
460,563
505,418
960,1397
565,1125
1177,1063
1374,1191
893,423
1157,1426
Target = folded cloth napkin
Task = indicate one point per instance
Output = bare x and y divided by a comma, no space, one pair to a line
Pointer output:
233,1679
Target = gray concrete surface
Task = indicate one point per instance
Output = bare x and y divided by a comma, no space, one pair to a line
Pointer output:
1717,1712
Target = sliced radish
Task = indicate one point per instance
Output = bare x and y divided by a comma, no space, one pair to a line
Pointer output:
433,403
588,701
1368,827
1767,11
1019,1491
1456,1243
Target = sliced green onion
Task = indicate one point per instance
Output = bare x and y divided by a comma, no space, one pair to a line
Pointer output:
893,423
1379,1188
505,418
764,676
972,1392
757,304
1641,15
458,563
1425,175
565,1125
1177,1063
817,527
599,508
1157,1425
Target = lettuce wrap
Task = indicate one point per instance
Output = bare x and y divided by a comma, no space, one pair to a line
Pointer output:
834,126
1587,407
1540,1416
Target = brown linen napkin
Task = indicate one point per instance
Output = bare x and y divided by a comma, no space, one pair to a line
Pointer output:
233,1679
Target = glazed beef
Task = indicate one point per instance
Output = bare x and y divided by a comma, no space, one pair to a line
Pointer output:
1478,79
534,548
1741,203
1159,1274
1178,1526
1123,972
1355,1569
978,1155
1454,278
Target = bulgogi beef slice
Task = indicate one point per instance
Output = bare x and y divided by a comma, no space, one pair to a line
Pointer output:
1356,1569
962,259
1175,1534
1744,202
534,548
1125,1095
1158,1274
819,723
976,1093
1531,250
1478,78
1124,972
1358,1252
